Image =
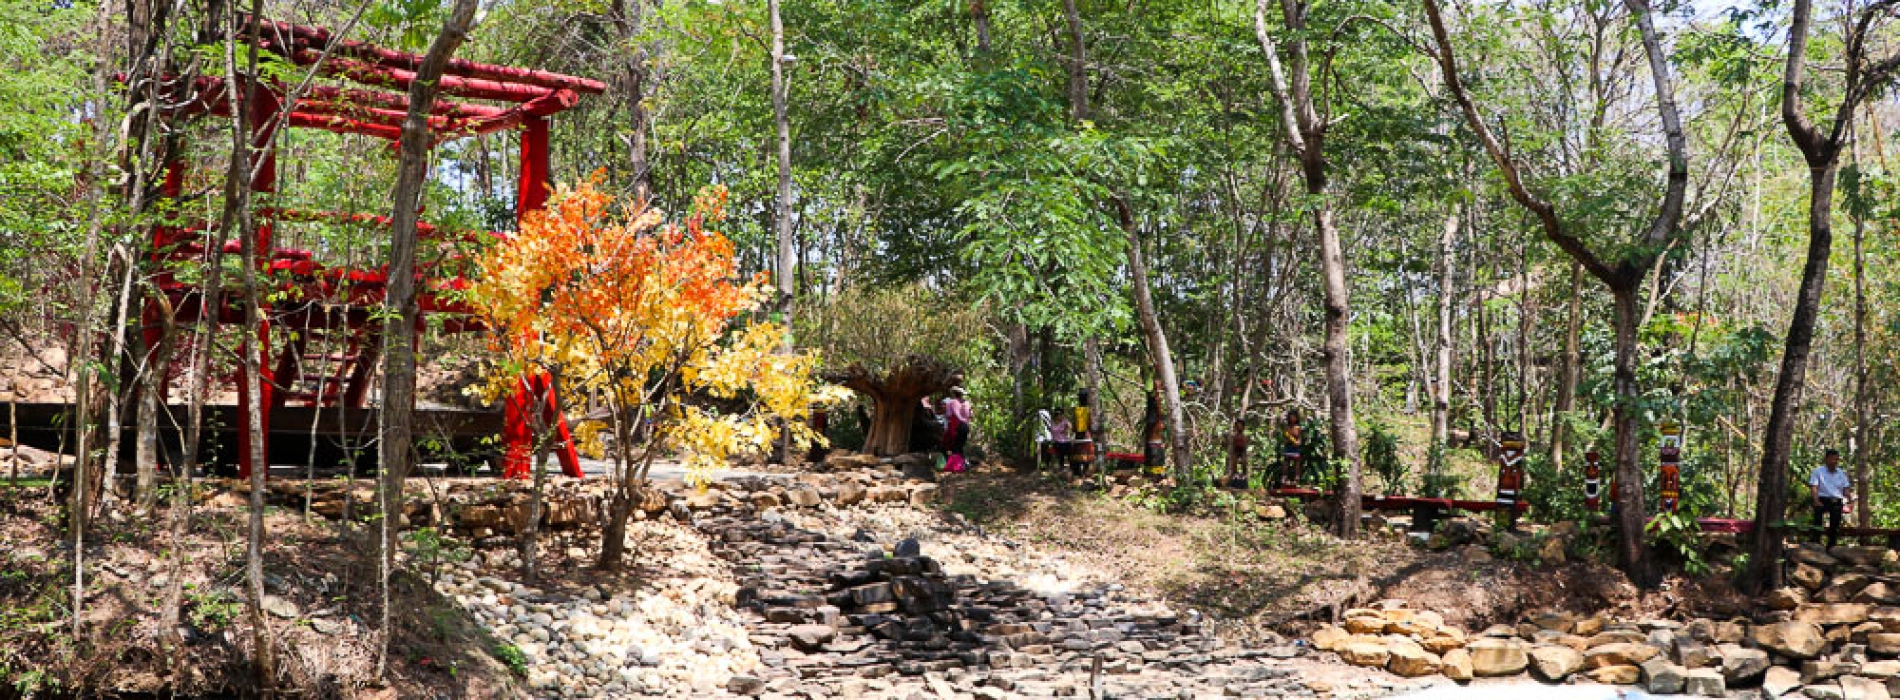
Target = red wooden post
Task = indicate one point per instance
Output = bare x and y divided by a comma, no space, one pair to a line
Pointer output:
517,437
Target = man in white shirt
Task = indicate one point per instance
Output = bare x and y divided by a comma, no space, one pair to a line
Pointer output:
1832,491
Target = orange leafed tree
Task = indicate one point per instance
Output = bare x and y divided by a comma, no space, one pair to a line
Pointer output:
653,320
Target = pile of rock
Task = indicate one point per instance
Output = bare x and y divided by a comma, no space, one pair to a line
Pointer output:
1811,649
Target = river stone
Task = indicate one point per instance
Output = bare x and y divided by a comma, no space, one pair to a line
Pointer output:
1492,656
1800,640
1554,663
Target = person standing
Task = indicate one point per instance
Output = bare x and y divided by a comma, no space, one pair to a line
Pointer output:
956,429
1832,492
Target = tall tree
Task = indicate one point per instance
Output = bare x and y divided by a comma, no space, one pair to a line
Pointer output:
1623,275
1306,134
399,330
1863,75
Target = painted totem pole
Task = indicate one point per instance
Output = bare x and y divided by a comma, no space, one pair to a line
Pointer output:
1669,458
1592,480
1082,445
1510,474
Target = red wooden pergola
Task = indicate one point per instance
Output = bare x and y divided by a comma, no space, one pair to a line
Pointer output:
370,99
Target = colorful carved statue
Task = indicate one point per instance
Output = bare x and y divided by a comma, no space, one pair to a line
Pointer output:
1510,471
1082,446
1669,459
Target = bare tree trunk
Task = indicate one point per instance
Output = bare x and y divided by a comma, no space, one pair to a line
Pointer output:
1863,511
1306,133
1157,345
1569,372
1078,63
629,19
399,351
980,16
782,205
1629,477
1822,151
1441,348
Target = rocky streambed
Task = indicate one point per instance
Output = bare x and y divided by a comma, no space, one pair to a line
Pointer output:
814,588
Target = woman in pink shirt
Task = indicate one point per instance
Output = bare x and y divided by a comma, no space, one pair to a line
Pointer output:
956,429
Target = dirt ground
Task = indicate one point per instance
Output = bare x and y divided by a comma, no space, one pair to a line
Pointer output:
1261,577
322,605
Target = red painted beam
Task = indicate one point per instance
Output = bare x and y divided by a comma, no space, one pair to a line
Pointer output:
317,38
376,75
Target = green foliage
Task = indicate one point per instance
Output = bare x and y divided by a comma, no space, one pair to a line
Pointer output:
1678,535
1381,455
211,610
512,657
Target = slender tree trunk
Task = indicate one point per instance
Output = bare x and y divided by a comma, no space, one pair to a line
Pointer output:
1158,346
629,18
1078,63
1629,477
399,333
1771,495
1339,367
980,16
1441,347
1863,511
1569,373
782,204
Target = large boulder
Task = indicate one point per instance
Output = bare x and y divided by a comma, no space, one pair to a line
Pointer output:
1368,653
1857,688
1619,654
1779,681
1617,675
1661,677
1742,666
1554,663
1843,588
1411,660
1704,683
1493,656
1786,598
1328,636
1809,577
1456,665
1833,613
1800,640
